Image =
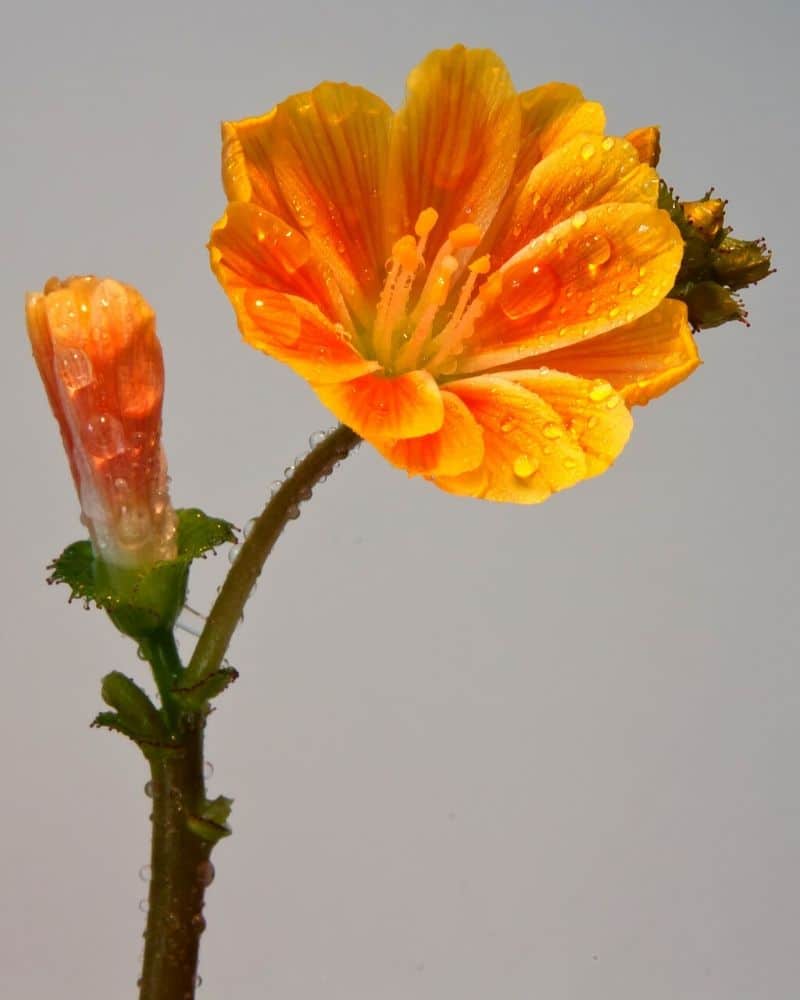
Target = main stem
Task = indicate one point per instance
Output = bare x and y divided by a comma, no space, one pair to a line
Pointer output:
180,870
180,865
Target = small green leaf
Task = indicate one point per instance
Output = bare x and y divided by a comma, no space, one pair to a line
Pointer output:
212,823
114,722
134,710
197,533
195,697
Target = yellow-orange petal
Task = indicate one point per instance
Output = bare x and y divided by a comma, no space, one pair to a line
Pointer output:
551,115
528,450
318,161
295,332
594,272
641,360
252,248
453,143
378,406
592,413
647,141
586,170
455,448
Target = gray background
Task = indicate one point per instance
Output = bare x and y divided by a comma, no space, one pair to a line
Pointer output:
477,751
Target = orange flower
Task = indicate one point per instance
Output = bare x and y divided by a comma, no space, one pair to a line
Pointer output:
95,345
475,284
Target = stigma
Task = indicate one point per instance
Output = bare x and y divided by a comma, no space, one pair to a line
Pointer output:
416,323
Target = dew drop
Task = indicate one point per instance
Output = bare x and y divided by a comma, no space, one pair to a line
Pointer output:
570,463
508,425
199,922
248,528
288,471
523,467
233,552
527,289
637,290
148,789
141,653
133,525
105,437
205,873
208,770
292,512
600,392
613,403
316,438
552,431
607,144
74,367
145,872
274,486
198,981
579,220
144,906
587,151
595,251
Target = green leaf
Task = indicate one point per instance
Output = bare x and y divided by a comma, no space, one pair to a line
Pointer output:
195,697
212,823
134,710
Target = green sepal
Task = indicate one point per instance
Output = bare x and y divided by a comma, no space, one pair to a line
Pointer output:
212,824
141,601
133,709
194,698
198,533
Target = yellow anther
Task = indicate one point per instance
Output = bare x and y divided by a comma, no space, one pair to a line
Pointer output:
405,253
466,235
482,265
426,220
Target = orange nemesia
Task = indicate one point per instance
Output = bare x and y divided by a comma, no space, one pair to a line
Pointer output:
475,284
96,349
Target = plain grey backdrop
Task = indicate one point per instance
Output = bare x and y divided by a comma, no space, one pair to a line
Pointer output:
477,751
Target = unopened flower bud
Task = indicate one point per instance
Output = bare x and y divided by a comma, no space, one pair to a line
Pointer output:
738,263
707,217
710,304
95,345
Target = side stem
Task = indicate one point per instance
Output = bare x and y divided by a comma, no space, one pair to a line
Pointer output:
282,507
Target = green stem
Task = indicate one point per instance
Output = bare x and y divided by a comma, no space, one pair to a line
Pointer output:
180,870
165,662
229,605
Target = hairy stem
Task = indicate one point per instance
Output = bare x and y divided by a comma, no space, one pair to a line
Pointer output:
282,507
180,869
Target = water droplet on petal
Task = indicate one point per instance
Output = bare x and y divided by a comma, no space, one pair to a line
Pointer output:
105,437
552,431
74,367
600,392
527,289
587,151
579,220
524,467
607,144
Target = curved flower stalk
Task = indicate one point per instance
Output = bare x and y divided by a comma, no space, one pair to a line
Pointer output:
476,284
95,345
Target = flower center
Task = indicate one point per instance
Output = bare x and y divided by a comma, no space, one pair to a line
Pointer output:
413,329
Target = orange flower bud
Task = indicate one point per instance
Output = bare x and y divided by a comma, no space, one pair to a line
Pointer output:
95,345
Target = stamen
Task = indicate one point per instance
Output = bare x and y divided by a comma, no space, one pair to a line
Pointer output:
440,281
